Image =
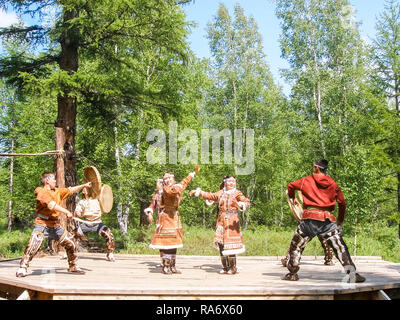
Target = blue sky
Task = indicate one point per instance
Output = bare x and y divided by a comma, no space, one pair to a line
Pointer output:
263,11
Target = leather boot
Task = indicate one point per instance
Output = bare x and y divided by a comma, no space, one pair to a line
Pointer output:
75,269
166,268
232,265
225,265
291,277
359,278
22,272
78,234
328,251
351,275
173,268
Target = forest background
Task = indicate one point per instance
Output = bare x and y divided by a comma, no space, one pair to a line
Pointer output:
106,73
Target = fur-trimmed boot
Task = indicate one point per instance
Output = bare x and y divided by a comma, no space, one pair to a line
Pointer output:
173,268
291,277
232,265
284,261
166,265
328,251
225,265
35,242
68,243
106,233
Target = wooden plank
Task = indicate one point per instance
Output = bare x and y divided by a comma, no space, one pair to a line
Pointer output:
136,277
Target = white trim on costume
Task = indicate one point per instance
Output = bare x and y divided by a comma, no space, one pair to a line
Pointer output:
235,251
174,246
229,191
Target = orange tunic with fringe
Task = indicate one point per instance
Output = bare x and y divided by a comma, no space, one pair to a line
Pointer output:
169,233
227,231
45,216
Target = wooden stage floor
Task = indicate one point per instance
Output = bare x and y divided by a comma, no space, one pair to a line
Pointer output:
138,277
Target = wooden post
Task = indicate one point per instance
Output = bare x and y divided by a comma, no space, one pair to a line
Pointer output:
67,109
60,168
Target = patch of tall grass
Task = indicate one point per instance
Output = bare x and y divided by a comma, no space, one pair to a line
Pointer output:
13,243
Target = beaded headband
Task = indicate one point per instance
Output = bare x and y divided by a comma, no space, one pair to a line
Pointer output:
43,180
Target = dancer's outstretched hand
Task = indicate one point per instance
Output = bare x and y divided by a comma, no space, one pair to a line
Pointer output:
197,169
149,214
192,192
70,215
88,185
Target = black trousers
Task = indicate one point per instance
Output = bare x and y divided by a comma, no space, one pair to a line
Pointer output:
328,231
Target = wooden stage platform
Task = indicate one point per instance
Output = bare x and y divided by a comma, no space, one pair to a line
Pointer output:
138,277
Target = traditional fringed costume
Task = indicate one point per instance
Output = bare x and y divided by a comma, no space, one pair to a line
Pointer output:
90,210
155,205
228,236
320,194
47,223
168,235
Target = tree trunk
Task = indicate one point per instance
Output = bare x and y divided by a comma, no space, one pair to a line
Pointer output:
398,196
122,225
10,203
139,137
143,217
397,104
396,100
250,194
65,124
122,217
318,108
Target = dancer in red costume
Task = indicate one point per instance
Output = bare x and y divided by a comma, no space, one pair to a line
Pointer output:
320,194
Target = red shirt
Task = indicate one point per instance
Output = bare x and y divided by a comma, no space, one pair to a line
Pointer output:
320,191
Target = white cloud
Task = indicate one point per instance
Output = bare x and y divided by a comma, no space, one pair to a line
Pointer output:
6,19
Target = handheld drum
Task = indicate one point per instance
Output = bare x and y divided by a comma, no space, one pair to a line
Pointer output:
91,174
297,210
106,198
98,191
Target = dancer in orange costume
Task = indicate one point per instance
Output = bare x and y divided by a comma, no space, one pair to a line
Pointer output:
168,235
47,222
228,236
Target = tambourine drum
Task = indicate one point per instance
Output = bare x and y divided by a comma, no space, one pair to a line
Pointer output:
297,210
91,174
106,198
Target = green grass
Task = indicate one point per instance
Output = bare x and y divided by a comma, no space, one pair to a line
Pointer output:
375,239
12,244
